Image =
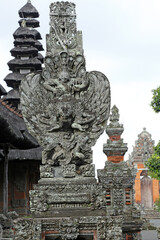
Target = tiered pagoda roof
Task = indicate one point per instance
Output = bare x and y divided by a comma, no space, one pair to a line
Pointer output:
25,52
26,59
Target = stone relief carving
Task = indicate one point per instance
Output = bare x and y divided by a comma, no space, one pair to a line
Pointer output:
63,25
69,229
69,170
27,229
114,228
65,107
101,229
67,126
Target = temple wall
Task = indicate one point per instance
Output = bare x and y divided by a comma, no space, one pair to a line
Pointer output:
155,187
138,187
22,176
139,190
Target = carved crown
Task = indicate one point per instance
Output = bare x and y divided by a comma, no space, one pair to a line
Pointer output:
62,9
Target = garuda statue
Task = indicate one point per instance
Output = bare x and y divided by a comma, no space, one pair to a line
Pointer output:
65,107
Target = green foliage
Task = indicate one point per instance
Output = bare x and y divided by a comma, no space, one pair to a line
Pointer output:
155,103
157,149
157,205
153,165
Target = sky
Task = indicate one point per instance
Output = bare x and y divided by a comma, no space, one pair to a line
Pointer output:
121,38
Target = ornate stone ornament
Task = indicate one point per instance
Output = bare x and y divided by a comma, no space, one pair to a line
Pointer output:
65,107
26,229
68,229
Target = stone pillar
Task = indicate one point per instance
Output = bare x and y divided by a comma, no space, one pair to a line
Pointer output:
5,183
115,148
118,179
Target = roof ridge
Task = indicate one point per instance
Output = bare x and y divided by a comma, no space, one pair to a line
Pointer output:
10,108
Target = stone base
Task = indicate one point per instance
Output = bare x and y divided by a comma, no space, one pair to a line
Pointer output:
60,198
90,228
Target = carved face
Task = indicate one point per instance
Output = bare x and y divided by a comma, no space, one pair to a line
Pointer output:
64,58
66,110
64,76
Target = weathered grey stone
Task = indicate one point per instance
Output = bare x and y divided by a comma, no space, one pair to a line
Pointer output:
65,108
158,232
1,231
27,229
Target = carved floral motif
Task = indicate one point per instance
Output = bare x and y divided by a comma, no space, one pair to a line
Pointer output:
27,229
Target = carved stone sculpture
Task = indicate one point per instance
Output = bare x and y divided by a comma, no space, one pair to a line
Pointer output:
65,107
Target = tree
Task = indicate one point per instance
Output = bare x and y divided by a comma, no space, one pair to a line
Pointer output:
153,163
155,103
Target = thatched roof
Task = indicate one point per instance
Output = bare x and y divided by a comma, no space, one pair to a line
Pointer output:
24,51
28,41
28,10
25,63
13,78
30,22
13,129
22,32
2,91
21,155
12,94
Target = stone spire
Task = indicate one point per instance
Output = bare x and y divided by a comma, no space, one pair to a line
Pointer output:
115,148
143,148
25,52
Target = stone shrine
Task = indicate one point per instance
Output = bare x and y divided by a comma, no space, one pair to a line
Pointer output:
66,109
146,189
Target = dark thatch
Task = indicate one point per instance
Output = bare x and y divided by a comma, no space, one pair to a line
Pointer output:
13,78
2,91
23,32
13,94
25,63
28,10
40,57
20,51
28,42
34,154
13,129
30,22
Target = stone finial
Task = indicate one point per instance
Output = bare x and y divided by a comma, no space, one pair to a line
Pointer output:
29,1
114,128
115,148
114,117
